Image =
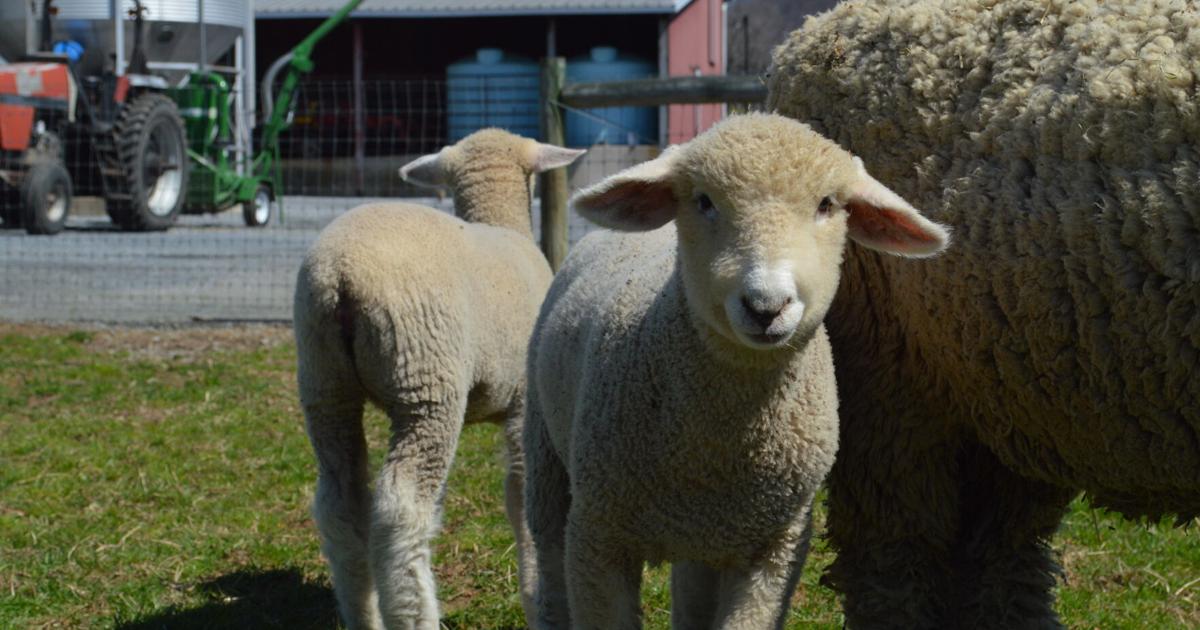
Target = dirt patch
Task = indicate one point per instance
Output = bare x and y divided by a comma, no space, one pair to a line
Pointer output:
181,343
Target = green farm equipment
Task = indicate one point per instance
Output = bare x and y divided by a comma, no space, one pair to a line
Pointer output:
205,100
216,184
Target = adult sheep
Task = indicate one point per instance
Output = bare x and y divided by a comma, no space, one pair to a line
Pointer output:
1055,348
681,399
427,316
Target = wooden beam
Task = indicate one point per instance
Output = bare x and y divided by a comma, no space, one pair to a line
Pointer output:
664,91
554,181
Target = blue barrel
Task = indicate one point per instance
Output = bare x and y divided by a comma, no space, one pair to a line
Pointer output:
492,90
611,125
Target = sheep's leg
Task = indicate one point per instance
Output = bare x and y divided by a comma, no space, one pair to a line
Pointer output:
603,582
406,511
893,518
547,501
759,596
693,595
514,507
342,504
333,401
1003,570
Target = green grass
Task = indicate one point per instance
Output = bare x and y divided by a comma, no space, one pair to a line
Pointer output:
155,479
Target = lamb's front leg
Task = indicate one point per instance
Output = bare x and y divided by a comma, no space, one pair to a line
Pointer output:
603,581
758,596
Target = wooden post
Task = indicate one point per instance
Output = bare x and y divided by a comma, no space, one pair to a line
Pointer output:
553,182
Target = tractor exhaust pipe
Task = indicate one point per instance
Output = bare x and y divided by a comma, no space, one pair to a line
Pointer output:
45,36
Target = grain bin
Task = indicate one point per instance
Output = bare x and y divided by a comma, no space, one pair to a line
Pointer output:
173,29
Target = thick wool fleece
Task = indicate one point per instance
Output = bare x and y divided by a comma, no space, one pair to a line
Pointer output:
427,316
1055,347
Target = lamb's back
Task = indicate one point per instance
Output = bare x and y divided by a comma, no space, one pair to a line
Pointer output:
470,292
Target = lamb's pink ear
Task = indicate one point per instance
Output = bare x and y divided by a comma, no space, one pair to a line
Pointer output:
549,156
426,170
884,221
637,199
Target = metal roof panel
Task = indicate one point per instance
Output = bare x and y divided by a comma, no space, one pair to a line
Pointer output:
460,8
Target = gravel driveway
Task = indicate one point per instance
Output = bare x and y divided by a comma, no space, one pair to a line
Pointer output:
207,268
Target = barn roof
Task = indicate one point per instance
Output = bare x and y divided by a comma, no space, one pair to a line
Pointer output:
463,8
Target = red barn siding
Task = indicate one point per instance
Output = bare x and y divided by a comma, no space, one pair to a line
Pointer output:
694,43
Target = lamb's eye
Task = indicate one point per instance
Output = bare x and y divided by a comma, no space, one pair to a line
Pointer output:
706,207
825,207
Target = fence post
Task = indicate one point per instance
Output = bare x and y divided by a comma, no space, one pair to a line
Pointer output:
554,181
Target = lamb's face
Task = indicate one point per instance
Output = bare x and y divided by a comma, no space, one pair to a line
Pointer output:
761,232
763,206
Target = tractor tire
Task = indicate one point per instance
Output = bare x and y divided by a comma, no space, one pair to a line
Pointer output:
152,148
258,211
10,206
46,198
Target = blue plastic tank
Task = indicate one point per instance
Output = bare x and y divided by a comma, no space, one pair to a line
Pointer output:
492,90
611,125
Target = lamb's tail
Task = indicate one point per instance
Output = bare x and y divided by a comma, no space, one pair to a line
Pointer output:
326,318
344,312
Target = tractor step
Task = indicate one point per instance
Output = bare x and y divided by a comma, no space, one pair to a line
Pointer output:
116,186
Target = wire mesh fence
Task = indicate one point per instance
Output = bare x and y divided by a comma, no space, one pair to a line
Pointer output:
325,154
209,266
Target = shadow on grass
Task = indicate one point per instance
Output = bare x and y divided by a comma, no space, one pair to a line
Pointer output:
455,622
250,599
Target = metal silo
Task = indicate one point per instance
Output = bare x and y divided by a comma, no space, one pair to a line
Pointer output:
177,32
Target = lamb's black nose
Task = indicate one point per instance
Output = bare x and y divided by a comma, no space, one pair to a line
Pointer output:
763,313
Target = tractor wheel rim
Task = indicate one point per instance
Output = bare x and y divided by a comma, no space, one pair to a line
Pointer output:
164,179
56,206
262,207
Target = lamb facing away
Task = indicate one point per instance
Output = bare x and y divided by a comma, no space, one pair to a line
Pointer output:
427,316
1055,349
681,402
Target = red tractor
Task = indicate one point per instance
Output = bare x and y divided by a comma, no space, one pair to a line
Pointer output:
119,137
35,98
